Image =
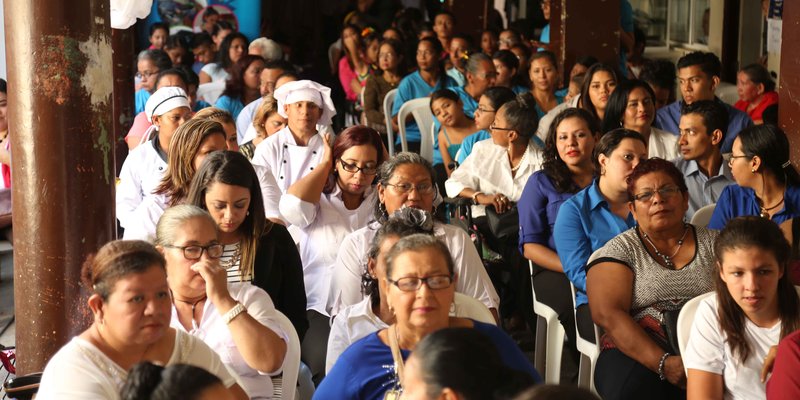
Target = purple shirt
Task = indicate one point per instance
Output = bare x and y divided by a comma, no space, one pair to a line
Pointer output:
538,208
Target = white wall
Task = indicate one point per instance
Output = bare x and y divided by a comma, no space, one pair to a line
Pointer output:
3,73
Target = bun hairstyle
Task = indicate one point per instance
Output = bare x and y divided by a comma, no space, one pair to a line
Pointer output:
116,260
521,115
454,357
147,381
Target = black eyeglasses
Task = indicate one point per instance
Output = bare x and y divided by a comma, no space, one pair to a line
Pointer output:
352,168
733,158
484,110
497,128
413,283
665,192
423,188
194,252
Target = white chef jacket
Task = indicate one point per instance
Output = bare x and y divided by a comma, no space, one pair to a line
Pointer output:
471,277
487,170
324,226
287,161
140,175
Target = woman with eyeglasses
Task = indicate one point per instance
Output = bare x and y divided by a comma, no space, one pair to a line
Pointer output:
234,319
767,184
491,101
330,202
148,64
407,180
642,275
420,288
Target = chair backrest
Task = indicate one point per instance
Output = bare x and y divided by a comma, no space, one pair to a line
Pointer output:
685,319
388,103
702,216
291,363
421,110
468,307
211,91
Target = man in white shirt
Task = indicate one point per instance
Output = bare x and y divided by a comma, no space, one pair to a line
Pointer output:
703,125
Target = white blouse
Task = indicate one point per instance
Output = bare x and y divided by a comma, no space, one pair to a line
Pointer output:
487,170
351,324
472,279
80,371
323,228
140,175
662,144
215,333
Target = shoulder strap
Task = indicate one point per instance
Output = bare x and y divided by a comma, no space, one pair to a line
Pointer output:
396,355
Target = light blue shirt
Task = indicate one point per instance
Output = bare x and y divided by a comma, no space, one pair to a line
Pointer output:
583,225
469,142
413,87
703,190
668,119
245,118
141,97
231,105
457,76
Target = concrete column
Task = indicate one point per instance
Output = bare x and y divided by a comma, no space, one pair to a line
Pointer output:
60,109
789,88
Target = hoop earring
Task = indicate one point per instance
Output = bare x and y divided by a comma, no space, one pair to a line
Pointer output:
382,209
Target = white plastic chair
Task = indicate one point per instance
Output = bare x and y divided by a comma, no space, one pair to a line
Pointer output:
421,110
685,320
549,339
211,91
589,352
388,103
727,92
286,384
702,216
468,307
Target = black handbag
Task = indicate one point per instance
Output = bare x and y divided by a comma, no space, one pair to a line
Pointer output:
503,226
669,323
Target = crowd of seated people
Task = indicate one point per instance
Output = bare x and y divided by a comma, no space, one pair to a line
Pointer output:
242,199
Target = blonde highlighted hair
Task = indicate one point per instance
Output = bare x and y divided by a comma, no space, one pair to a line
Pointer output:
265,110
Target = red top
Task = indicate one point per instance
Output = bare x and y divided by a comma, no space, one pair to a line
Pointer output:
769,99
785,381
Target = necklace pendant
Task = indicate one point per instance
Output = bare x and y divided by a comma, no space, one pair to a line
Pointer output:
764,214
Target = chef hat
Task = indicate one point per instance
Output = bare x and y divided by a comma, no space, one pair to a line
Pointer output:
164,100
293,92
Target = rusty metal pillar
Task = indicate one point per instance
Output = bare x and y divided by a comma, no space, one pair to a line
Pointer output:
60,85
123,42
789,105
581,28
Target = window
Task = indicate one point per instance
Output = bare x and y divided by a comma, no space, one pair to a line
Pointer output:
673,23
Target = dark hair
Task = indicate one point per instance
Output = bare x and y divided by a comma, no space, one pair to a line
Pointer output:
544,54
437,51
456,357
745,232
759,74
586,101
289,74
714,114
397,47
708,62
148,381
521,115
556,392
444,94
386,172
769,116
618,102
233,168
507,57
418,242
586,61
445,12
180,73
201,39
357,135
222,25
223,55
159,25
770,144
235,86
360,42
554,167
516,36
191,77
609,142
116,260
208,12
400,224
280,64
3,86
652,165
660,73
499,95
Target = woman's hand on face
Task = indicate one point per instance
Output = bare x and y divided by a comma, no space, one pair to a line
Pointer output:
673,370
216,279
769,362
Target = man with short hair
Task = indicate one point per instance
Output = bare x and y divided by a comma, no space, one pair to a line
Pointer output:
702,130
459,47
698,77
269,75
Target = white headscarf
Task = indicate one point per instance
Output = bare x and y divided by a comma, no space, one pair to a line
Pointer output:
165,100
293,92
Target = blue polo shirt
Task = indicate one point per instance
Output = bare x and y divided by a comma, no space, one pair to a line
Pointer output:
140,100
231,105
469,142
703,190
414,87
668,118
538,207
583,225
736,201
